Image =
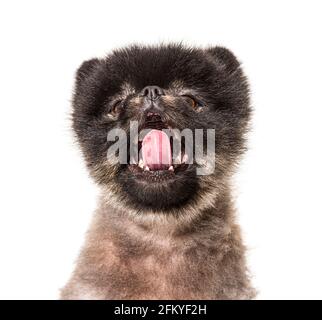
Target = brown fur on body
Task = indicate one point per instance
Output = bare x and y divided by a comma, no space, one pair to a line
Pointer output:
157,259
173,237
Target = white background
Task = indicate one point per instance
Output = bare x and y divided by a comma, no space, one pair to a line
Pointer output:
46,196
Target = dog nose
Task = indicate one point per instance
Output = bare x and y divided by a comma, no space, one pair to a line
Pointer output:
152,92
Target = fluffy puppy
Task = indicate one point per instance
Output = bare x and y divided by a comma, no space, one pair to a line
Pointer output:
161,230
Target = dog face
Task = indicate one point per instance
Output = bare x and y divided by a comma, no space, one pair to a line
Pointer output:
167,87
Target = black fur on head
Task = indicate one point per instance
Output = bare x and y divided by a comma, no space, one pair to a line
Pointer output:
202,88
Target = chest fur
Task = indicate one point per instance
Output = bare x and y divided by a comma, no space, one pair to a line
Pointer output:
168,271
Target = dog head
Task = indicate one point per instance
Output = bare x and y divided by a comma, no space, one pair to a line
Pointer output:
161,92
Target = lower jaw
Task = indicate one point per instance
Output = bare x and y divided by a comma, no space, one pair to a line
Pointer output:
155,175
157,190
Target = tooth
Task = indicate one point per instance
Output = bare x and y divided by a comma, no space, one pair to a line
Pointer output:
171,168
177,160
185,158
141,163
146,168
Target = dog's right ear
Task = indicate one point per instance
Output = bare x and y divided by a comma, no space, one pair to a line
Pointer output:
86,68
85,81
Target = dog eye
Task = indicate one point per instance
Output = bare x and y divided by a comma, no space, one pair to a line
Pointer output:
192,101
116,107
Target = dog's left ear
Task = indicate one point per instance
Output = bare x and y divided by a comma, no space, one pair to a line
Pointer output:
223,58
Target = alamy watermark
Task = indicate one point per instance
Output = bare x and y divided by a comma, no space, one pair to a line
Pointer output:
187,146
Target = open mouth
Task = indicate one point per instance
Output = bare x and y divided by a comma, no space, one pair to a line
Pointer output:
156,156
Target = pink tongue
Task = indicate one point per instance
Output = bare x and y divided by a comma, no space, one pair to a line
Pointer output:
156,150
